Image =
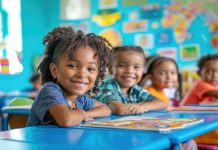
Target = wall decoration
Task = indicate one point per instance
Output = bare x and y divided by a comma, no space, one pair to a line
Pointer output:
113,36
74,9
83,26
164,37
189,52
133,15
4,66
145,40
134,2
135,26
151,11
10,38
155,25
169,52
106,17
105,4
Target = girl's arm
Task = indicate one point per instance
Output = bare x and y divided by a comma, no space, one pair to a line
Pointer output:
100,110
212,93
66,117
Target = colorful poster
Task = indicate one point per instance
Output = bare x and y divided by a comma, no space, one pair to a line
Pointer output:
105,4
74,9
134,2
151,11
83,26
169,52
113,36
145,40
189,52
135,26
164,37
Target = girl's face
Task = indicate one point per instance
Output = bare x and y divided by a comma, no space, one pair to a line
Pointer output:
128,69
77,75
164,75
209,72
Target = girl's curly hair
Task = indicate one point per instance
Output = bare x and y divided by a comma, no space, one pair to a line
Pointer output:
64,40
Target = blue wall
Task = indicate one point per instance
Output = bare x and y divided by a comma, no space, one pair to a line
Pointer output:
40,16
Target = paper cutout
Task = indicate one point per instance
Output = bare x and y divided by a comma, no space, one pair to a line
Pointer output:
135,26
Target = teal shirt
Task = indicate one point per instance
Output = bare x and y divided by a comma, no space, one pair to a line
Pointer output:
110,90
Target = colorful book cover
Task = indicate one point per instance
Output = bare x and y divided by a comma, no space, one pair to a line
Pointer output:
195,108
146,123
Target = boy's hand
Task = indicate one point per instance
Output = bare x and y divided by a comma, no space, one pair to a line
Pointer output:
133,109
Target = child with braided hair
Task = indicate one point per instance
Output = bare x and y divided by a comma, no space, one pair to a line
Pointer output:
73,64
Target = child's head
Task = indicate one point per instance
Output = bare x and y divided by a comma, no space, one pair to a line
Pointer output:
163,72
128,65
208,68
35,79
75,61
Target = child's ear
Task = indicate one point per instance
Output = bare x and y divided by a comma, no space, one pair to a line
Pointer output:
110,69
53,70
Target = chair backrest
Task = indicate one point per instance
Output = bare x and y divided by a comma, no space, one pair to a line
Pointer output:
19,120
20,101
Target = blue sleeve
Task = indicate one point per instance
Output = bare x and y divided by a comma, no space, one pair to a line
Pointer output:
46,98
85,102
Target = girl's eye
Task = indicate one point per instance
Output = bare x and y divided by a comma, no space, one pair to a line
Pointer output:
121,65
92,69
72,66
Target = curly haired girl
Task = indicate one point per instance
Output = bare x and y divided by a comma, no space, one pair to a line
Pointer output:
73,64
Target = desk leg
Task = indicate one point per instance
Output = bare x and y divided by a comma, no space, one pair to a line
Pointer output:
4,121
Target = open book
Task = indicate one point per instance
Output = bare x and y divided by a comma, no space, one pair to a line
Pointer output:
145,123
195,108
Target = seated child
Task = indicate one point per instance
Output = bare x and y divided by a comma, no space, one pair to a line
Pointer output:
122,93
204,90
72,65
163,73
36,81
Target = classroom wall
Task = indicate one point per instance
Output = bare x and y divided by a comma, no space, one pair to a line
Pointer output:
39,17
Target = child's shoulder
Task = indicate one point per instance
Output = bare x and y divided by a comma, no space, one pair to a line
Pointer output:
109,84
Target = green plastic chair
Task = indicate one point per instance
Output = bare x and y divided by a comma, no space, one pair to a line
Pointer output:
20,101
18,120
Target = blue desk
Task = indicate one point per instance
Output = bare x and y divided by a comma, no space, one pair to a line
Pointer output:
48,137
179,136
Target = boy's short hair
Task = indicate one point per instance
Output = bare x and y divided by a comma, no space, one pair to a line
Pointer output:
121,49
204,59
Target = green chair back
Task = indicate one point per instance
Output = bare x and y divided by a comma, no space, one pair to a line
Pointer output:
20,101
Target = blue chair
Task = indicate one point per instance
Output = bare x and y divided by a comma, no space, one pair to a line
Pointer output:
18,120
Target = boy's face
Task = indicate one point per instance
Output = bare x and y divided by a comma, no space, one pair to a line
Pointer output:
209,72
164,75
128,68
78,75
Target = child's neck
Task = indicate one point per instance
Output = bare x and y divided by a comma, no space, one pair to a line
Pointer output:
125,91
158,88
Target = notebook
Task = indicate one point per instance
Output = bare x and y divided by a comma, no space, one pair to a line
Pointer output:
146,123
